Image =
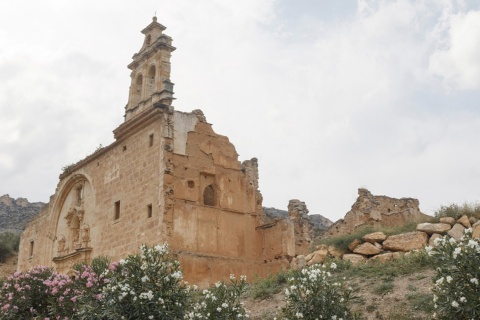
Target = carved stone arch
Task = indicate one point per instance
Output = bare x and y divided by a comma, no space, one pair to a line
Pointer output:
71,231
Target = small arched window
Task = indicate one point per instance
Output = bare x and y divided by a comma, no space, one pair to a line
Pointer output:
148,39
151,81
139,83
209,195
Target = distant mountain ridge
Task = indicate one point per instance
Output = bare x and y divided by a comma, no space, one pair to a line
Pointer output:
16,213
319,221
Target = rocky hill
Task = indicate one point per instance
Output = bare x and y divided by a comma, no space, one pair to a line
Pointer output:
15,213
319,221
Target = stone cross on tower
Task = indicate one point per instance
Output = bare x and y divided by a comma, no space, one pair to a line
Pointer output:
150,72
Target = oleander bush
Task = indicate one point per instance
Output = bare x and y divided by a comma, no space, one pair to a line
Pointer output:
221,302
456,283
313,293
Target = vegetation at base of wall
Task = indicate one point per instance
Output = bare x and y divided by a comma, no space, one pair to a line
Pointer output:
263,288
9,242
405,265
341,242
456,211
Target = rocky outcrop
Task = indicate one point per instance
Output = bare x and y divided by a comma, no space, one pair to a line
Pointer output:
377,211
16,213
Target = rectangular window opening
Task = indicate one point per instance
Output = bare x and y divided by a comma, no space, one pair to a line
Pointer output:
32,243
150,141
149,211
117,210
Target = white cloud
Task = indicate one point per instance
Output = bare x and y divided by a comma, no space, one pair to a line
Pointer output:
457,60
327,105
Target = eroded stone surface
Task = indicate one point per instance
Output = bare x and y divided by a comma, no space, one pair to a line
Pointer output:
378,211
383,257
354,244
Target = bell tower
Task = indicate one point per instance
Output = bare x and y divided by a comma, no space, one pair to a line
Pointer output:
150,72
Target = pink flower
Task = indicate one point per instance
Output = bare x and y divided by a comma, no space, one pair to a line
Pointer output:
74,299
6,307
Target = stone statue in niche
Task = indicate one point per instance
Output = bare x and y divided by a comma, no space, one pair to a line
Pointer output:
61,244
85,234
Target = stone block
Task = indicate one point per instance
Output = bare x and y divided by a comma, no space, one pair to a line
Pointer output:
367,249
354,244
456,232
354,258
464,221
374,237
406,241
383,257
451,221
431,228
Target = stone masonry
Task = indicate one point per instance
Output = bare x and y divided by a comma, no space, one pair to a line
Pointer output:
168,177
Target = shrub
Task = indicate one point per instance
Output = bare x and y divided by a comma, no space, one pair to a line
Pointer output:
221,302
24,295
312,294
148,285
456,283
9,242
456,211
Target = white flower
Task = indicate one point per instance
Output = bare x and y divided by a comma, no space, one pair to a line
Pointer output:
224,305
455,304
474,281
299,315
449,279
452,241
463,299
219,309
333,266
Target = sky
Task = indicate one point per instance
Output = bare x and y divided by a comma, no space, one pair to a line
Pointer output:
330,96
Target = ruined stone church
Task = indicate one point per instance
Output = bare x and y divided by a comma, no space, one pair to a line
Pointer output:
167,177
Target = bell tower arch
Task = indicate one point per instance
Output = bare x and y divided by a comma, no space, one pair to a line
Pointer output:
150,76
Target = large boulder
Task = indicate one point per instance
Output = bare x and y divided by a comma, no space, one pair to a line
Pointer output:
451,221
374,237
456,232
406,241
315,257
464,221
476,231
355,243
431,228
367,249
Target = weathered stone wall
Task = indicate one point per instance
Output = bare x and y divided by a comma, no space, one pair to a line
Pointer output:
370,210
168,177
201,200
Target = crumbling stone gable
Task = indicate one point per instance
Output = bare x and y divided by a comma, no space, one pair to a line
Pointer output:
370,210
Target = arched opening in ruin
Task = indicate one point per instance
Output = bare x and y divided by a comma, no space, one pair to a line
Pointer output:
209,195
151,80
137,90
